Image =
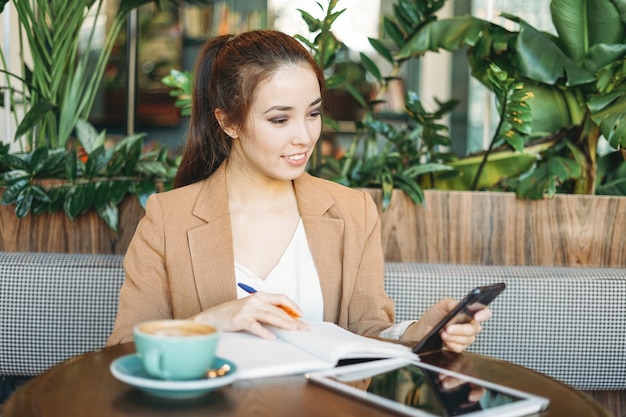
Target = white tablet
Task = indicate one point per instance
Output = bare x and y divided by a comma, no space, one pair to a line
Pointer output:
415,388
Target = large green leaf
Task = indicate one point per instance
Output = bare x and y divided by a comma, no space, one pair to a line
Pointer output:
549,108
499,166
97,161
38,159
109,212
12,192
546,178
602,55
612,118
13,176
581,24
381,49
541,59
73,201
449,34
24,202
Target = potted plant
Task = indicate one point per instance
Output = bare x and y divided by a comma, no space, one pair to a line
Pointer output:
528,153
63,163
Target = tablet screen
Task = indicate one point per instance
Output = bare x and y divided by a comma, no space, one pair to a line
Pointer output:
412,386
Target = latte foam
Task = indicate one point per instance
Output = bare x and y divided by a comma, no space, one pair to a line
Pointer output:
176,329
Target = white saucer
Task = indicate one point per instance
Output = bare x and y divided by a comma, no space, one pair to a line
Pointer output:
129,369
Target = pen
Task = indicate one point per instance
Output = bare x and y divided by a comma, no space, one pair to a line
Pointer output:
286,309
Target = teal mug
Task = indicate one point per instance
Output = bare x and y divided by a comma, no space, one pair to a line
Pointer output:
176,349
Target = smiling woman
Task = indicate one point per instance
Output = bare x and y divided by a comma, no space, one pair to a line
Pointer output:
245,211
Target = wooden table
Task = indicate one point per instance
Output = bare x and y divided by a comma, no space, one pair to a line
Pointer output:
84,386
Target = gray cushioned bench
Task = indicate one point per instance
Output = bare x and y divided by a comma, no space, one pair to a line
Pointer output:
52,307
569,323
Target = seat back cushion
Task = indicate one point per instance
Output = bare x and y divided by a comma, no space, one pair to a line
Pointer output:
54,306
569,323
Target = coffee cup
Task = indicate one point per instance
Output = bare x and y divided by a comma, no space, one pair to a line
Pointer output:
175,349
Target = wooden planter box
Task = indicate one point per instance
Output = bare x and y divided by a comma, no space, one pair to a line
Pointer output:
458,227
55,232
492,228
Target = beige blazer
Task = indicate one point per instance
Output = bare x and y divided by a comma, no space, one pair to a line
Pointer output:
180,260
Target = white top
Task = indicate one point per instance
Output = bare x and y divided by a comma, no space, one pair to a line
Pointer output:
296,277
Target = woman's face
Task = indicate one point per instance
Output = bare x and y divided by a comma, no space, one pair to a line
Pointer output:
283,126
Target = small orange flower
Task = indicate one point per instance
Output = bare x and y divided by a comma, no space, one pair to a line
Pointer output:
82,154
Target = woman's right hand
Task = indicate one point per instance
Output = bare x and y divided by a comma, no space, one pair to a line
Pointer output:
252,313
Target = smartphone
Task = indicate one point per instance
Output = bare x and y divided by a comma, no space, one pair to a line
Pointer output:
475,300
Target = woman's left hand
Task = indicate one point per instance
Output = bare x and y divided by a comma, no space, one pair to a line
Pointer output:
455,337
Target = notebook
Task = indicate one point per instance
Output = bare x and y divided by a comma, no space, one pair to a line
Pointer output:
323,346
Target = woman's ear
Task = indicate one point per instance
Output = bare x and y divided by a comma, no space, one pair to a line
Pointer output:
222,120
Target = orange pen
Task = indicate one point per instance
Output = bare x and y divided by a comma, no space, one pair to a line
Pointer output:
286,309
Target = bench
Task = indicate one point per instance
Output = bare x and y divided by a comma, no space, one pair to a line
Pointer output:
566,322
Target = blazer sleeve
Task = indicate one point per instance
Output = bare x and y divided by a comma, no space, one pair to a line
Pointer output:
145,292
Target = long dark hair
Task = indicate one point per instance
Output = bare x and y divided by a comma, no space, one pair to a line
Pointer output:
227,71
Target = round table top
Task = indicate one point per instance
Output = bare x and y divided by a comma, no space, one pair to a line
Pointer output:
84,385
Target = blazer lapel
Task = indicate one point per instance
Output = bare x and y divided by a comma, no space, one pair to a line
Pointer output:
211,245
325,236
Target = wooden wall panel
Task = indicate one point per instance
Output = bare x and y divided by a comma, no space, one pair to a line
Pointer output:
55,232
499,229
451,227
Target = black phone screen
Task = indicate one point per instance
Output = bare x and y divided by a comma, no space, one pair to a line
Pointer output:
475,300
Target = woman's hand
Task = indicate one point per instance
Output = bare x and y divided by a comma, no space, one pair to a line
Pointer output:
455,337
251,313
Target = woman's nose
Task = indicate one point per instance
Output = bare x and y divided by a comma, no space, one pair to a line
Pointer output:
307,132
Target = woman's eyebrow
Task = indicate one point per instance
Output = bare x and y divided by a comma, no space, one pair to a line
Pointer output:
287,108
280,108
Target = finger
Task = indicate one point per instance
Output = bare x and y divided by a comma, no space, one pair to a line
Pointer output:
273,315
457,343
447,304
281,300
455,347
257,329
253,311
483,315
302,325
471,328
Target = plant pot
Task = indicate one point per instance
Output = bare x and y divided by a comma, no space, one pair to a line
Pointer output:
493,228
55,232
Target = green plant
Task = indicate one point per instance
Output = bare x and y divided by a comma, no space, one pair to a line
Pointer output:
551,111
381,154
61,86
52,179
180,84
577,79
57,94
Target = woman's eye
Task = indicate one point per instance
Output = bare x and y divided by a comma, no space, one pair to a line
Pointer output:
279,121
315,113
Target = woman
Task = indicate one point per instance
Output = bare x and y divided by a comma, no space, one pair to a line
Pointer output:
245,211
